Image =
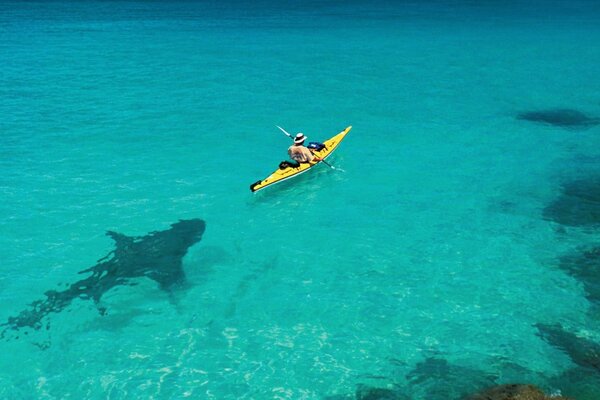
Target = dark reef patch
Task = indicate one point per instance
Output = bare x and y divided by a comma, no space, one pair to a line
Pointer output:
441,380
562,117
366,392
371,393
513,392
582,351
577,383
585,267
157,255
577,205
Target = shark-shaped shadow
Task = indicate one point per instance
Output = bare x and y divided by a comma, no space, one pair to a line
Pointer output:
564,118
157,255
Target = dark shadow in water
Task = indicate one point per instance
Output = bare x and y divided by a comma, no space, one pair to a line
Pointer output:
364,392
578,203
564,118
582,352
512,392
436,379
585,267
157,255
577,383
442,380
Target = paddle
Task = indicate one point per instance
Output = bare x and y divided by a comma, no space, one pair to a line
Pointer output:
322,160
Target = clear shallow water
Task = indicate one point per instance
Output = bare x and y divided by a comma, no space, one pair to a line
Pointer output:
129,116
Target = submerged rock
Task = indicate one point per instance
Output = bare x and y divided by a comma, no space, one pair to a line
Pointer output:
440,380
513,392
577,383
565,118
364,392
585,267
582,351
577,205
372,393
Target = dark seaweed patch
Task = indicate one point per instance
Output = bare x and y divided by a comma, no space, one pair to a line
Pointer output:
441,380
364,392
565,118
577,205
585,267
513,392
582,351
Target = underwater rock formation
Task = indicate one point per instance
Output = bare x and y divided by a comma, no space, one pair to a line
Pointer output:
372,393
513,392
565,118
582,351
577,205
441,380
577,383
585,267
157,255
365,392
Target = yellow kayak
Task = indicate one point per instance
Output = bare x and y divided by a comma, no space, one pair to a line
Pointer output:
289,172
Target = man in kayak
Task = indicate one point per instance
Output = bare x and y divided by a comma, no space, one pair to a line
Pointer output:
299,152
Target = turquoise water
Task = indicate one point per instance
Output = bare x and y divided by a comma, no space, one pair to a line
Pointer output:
129,116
